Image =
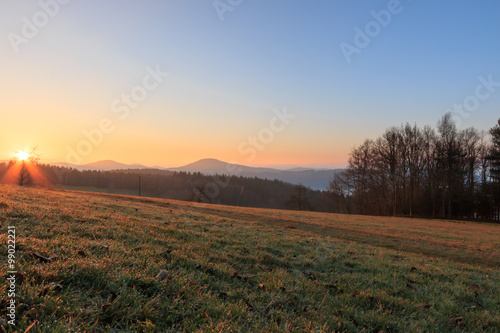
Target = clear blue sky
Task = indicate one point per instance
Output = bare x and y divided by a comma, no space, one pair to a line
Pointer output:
227,76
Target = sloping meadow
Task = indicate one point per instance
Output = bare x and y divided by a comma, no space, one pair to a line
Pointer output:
101,263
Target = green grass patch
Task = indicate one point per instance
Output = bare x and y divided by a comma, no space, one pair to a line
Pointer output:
228,269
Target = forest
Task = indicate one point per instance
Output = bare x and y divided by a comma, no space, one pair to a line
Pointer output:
425,172
187,186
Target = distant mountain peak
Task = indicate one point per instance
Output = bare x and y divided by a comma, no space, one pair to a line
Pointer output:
212,161
314,178
209,159
104,162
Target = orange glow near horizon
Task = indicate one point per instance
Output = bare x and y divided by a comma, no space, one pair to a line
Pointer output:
180,155
12,174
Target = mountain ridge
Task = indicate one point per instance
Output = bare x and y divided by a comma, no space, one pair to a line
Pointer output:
317,179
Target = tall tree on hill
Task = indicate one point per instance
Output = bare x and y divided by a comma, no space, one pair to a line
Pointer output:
470,141
494,158
429,181
24,178
387,151
495,153
483,202
449,155
413,145
366,178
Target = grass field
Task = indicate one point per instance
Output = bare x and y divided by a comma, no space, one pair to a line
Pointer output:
129,264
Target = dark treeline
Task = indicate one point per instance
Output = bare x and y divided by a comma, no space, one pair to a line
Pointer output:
235,191
412,171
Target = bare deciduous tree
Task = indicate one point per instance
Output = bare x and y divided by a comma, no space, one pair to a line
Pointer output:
413,171
24,178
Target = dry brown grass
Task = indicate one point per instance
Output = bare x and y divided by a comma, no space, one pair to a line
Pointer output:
475,243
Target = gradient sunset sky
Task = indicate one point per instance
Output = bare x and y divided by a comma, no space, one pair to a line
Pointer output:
230,71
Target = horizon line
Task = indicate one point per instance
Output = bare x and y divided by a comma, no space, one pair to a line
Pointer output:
283,167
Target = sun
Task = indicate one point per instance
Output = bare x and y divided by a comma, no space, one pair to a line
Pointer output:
22,155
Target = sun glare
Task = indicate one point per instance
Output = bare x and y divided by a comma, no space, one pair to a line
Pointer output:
22,155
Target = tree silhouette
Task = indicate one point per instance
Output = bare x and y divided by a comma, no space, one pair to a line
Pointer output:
24,178
495,153
414,171
494,158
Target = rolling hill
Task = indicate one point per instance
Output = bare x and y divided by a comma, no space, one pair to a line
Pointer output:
100,263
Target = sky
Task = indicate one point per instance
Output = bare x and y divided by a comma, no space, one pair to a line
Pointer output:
255,82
